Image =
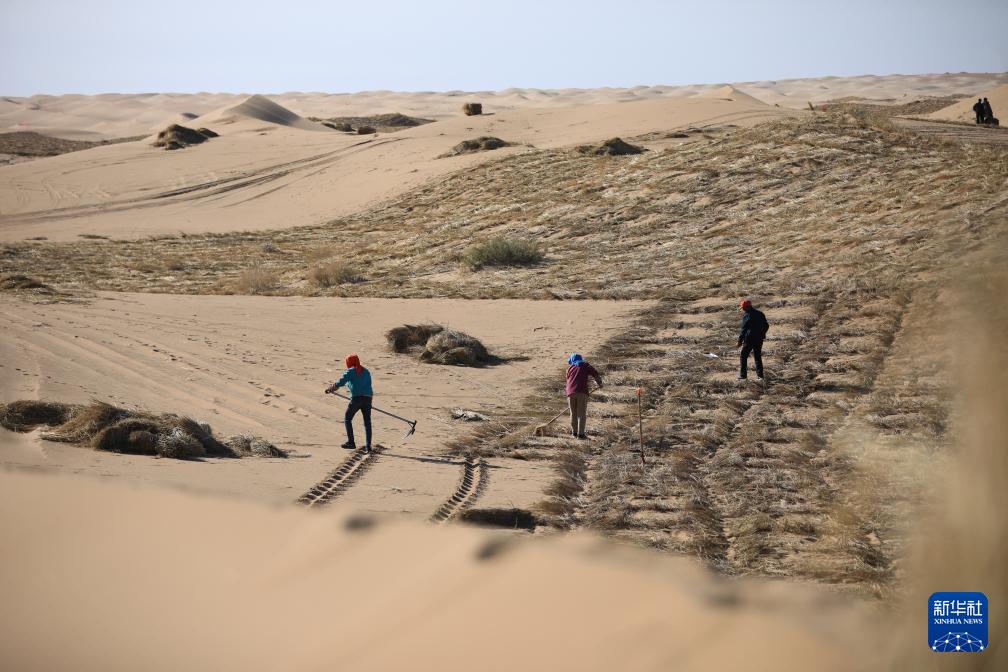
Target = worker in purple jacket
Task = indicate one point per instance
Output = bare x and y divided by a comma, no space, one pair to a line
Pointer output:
578,372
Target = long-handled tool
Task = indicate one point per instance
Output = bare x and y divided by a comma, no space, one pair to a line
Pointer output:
411,423
640,426
540,430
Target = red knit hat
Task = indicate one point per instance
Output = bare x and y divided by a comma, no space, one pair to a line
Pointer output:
745,303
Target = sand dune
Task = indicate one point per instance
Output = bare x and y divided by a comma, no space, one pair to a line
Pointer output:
122,115
729,93
248,178
264,162
259,108
963,110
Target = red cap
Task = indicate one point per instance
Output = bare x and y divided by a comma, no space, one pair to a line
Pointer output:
745,303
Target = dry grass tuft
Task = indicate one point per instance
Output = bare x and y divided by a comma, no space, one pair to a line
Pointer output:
31,144
454,348
112,429
612,147
257,280
246,444
410,336
503,252
333,273
15,282
383,122
179,445
24,416
484,143
178,137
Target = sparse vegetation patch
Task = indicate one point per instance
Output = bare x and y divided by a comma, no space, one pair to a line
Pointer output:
108,428
178,137
483,143
612,147
386,123
257,280
454,348
332,273
411,336
503,252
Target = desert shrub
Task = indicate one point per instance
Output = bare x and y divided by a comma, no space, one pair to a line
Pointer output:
503,252
406,337
454,348
471,109
611,147
24,416
483,143
333,273
366,130
85,422
179,445
14,282
247,444
108,428
132,435
256,280
389,122
177,137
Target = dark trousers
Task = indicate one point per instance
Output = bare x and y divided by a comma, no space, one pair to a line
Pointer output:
756,348
980,117
362,404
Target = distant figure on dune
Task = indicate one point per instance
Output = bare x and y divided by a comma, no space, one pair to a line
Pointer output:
754,330
578,372
358,381
978,108
988,113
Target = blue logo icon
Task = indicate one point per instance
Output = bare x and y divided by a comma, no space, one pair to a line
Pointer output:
957,622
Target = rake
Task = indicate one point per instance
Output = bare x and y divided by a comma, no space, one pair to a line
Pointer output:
411,423
540,430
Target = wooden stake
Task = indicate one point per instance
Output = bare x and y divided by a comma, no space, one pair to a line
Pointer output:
640,426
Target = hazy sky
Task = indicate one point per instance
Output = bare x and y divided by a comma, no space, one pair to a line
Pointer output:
96,46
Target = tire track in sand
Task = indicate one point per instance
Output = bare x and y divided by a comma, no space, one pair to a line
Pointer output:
341,478
471,485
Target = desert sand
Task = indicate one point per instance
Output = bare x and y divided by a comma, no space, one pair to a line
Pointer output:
963,110
235,586
260,365
133,561
119,115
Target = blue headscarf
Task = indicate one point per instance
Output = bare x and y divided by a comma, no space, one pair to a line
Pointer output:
575,360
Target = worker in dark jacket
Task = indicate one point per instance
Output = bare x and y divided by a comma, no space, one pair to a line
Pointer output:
978,109
358,381
988,113
754,330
